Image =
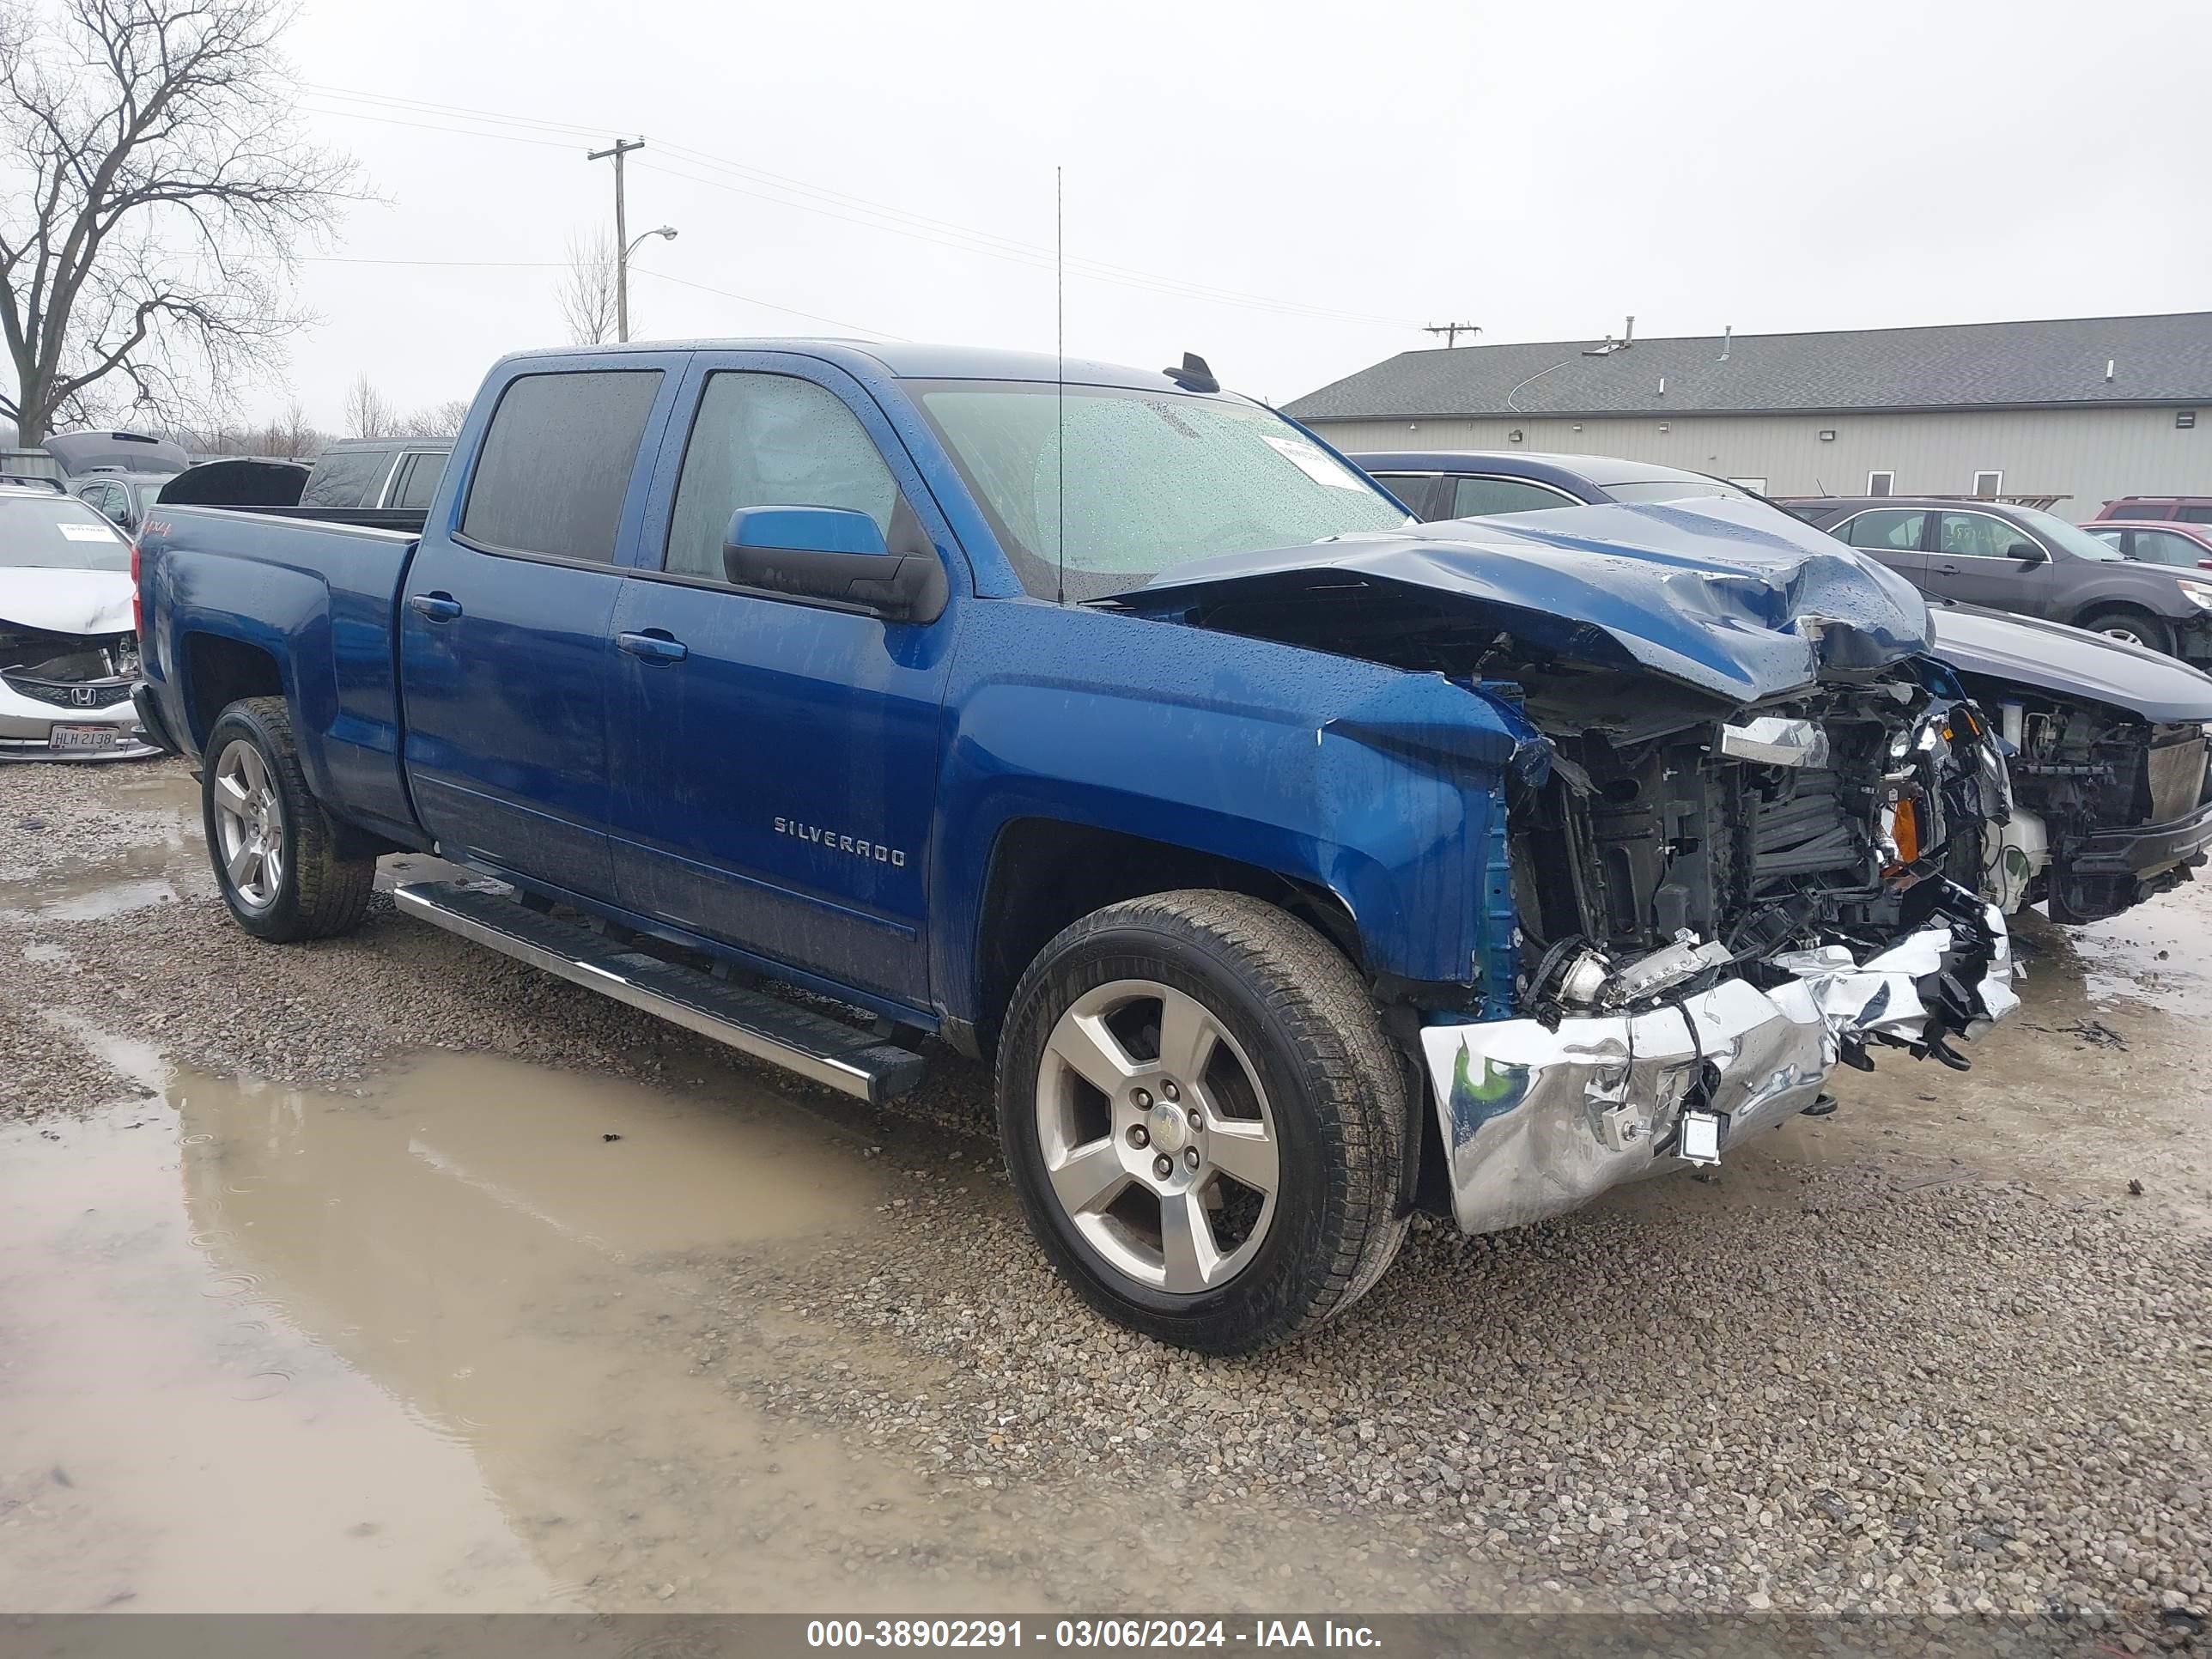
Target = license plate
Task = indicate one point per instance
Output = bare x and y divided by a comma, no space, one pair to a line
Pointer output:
84,738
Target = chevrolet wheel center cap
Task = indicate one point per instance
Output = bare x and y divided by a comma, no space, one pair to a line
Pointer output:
1166,1125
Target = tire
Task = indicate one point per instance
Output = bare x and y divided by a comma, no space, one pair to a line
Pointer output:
1289,1052
272,845
2136,627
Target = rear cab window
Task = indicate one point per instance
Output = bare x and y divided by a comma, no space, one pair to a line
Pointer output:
555,465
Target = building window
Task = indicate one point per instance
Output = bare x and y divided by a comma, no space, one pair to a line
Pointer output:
1756,486
1987,485
2185,418
1881,484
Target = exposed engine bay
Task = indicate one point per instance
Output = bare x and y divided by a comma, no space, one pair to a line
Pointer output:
1675,840
2087,782
1717,907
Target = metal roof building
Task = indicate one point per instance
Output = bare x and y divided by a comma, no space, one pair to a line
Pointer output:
2077,410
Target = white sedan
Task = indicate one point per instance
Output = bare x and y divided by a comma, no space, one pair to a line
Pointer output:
68,651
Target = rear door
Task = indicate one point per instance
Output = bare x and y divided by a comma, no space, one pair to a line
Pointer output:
506,619
774,784
1894,535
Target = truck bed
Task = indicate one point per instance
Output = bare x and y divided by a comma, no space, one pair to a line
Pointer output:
323,595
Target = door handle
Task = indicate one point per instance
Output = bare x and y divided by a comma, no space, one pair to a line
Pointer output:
654,645
1947,569
434,607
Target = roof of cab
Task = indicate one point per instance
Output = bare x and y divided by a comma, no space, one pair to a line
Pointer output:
907,361
1599,470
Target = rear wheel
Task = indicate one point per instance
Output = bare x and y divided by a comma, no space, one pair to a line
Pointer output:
273,846
2131,627
1204,1120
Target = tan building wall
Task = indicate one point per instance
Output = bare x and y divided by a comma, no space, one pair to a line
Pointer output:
2086,456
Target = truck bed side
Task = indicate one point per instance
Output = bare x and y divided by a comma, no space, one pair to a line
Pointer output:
239,605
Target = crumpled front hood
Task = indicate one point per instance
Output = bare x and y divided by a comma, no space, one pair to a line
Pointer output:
2070,662
1728,597
89,602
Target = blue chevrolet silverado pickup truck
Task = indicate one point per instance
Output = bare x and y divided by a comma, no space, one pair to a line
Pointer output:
1300,867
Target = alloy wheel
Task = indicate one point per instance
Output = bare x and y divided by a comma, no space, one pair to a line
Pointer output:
249,824
1158,1140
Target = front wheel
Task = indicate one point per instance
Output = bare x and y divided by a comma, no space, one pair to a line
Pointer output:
2131,628
273,847
1204,1120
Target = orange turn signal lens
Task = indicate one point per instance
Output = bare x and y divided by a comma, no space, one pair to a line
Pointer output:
1906,832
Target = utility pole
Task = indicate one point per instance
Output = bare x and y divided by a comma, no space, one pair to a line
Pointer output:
1451,332
621,148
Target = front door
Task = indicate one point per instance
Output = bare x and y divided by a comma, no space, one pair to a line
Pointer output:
775,772
507,620
1971,562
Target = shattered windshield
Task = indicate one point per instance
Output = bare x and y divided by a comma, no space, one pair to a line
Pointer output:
1152,480
56,533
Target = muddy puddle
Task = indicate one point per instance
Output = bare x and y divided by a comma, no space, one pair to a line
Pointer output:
485,1336
419,1348
111,887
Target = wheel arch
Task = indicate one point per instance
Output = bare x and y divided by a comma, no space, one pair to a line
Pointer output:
218,669
1043,873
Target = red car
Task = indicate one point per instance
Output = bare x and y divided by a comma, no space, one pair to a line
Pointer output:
2162,509
2153,542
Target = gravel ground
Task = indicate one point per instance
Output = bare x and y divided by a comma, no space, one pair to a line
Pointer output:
1821,1381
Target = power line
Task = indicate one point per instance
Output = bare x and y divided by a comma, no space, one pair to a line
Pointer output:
473,264
883,216
1038,259
424,126
1451,332
561,265
769,305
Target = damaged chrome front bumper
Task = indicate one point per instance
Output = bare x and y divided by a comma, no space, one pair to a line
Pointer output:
1538,1119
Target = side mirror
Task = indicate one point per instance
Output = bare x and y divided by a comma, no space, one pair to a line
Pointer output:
2027,553
830,557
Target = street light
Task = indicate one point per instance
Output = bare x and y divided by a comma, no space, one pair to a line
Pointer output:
666,232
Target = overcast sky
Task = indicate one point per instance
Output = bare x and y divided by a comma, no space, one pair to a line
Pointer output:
1288,189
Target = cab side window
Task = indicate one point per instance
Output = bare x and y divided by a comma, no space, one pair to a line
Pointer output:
1418,491
769,441
419,480
1977,536
1475,497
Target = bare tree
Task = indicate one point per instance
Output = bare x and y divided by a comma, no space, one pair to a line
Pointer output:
154,184
290,436
439,420
366,414
588,291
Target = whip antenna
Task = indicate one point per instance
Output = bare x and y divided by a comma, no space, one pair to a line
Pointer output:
1060,356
